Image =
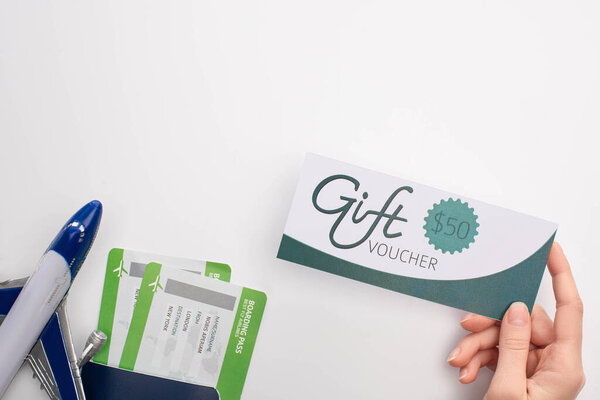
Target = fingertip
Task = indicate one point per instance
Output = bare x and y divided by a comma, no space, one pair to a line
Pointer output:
518,314
513,348
453,355
537,309
468,374
542,330
462,354
476,323
557,261
459,358
468,317
558,246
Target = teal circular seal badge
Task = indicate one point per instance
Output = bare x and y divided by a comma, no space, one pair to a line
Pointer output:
451,225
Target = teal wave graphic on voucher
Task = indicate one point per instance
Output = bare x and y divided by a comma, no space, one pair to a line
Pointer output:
489,295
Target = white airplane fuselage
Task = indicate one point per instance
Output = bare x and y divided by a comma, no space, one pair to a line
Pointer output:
28,316
45,290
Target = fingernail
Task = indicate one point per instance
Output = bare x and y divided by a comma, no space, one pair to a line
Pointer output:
518,315
467,317
453,354
463,373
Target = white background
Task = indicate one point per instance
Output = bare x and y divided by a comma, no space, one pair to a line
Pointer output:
190,120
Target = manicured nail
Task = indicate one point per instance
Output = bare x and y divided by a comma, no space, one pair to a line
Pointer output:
467,317
518,315
463,373
453,354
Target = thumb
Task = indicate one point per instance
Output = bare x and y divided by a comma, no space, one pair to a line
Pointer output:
510,379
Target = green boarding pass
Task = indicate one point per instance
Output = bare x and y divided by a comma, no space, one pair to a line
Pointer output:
124,272
190,328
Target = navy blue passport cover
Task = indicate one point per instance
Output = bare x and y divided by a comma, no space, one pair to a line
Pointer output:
102,382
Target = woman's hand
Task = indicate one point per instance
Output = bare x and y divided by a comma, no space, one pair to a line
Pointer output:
534,358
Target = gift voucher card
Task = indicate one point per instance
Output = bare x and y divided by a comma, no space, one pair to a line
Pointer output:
124,271
414,239
195,329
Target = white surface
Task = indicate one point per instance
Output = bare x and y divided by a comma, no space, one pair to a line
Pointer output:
190,120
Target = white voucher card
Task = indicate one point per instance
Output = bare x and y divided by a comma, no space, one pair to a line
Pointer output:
414,239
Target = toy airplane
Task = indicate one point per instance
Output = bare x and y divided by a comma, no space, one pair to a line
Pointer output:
34,325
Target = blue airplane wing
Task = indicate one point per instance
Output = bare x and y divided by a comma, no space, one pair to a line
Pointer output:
52,356
9,290
65,371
